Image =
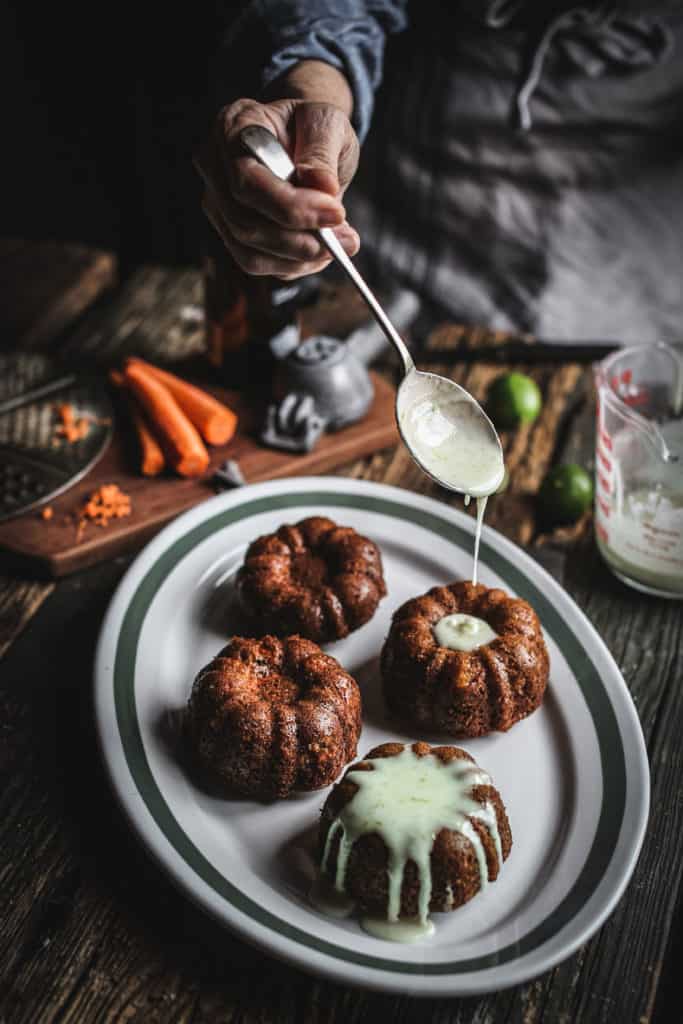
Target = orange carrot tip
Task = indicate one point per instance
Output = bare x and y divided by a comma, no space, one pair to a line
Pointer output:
187,453
214,420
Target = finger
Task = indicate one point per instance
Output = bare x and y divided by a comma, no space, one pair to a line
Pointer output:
261,264
254,261
263,237
318,140
325,147
288,205
252,184
243,180
257,232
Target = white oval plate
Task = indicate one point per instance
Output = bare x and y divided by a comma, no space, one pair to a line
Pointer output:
573,776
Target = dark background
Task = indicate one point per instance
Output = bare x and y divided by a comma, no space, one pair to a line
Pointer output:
102,112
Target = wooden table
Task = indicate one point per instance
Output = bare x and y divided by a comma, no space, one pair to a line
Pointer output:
91,930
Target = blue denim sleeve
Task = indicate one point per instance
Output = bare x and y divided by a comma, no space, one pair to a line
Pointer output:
348,34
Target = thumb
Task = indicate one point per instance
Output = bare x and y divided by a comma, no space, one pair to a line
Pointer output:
318,140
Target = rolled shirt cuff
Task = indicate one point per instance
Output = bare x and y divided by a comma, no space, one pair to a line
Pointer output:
356,48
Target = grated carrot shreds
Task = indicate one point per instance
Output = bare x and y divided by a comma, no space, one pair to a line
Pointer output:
71,428
106,503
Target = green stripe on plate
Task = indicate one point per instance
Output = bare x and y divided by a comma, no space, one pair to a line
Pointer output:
596,697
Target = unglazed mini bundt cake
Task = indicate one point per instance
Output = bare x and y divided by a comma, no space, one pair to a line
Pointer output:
267,717
412,829
315,578
496,677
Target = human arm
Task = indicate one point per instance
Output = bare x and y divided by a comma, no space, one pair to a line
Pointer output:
309,103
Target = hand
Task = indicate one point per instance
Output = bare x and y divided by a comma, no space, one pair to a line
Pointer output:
267,223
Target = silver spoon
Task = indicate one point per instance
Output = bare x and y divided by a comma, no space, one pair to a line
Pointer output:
417,387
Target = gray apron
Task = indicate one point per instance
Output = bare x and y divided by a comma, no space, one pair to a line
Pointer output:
564,219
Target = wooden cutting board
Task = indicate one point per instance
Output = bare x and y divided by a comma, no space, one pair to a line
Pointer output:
51,548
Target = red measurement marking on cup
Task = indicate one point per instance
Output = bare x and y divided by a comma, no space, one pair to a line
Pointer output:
604,483
601,532
606,440
630,393
607,463
604,507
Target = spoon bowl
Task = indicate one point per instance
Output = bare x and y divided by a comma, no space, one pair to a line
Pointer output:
448,434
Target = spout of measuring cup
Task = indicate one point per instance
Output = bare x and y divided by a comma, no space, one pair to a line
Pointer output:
609,402
659,443
642,387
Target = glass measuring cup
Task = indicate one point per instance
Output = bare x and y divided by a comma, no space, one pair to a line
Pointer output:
639,467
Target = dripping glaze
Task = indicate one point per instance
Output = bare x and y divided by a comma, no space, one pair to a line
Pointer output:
408,799
452,444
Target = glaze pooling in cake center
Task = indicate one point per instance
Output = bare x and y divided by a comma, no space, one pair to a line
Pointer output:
407,799
460,632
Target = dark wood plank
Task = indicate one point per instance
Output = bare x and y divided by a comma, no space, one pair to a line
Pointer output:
46,286
149,318
19,600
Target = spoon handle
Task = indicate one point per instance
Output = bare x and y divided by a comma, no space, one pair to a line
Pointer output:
263,145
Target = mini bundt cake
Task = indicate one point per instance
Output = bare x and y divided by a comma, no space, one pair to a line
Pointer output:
464,692
412,829
316,578
267,717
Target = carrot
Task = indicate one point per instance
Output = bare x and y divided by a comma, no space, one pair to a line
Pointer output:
187,454
214,421
152,456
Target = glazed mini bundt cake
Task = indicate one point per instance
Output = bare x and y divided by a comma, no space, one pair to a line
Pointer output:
413,829
267,717
315,578
497,676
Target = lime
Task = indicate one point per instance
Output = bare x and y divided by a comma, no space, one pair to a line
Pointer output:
513,398
566,493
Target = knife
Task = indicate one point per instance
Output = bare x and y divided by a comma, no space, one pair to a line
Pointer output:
517,350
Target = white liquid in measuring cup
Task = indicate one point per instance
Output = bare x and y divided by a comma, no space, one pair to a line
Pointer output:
452,442
639,508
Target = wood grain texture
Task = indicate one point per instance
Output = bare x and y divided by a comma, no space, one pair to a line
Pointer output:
19,600
93,932
46,286
154,317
